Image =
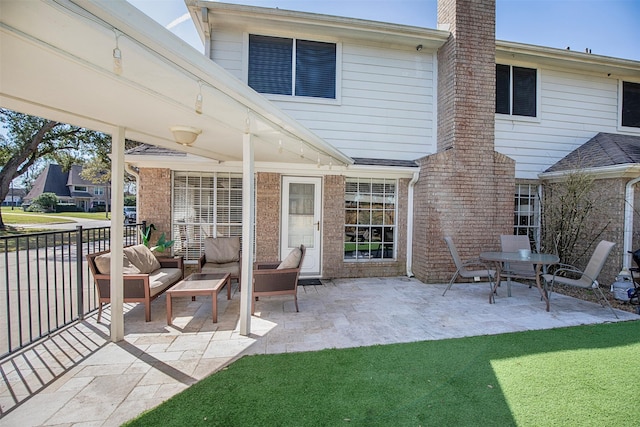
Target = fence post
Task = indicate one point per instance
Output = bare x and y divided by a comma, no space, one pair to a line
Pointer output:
79,272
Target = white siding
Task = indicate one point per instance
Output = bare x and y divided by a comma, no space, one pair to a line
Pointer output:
226,51
573,108
385,108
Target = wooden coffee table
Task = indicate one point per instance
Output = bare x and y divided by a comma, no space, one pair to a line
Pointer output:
200,284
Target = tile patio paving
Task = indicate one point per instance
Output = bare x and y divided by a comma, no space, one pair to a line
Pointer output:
78,377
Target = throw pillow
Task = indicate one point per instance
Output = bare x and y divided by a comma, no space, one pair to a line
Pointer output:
103,264
292,260
142,257
222,250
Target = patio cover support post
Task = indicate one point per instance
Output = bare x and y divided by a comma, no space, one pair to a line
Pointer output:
248,219
117,230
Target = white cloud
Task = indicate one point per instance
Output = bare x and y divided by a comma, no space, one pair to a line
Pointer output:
178,21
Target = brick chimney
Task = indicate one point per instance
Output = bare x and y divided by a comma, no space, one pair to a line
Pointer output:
465,190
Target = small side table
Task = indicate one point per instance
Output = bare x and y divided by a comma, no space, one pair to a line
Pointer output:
199,284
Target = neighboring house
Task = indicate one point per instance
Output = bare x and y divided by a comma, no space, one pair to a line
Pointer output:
69,186
449,132
14,197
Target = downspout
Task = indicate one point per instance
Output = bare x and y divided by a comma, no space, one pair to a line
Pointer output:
135,173
412,184
628,223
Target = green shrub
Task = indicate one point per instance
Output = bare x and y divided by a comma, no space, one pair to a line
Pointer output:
46,202
67,207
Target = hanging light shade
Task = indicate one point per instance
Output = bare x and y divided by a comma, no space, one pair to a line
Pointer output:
185,135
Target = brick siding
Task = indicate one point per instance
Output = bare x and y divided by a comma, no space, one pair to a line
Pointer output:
268,194
154,200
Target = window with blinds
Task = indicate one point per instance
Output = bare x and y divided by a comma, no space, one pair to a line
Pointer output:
631,104
516,90
205,205
283,66
526,216
370,219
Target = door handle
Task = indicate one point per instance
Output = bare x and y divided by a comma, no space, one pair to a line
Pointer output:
317,224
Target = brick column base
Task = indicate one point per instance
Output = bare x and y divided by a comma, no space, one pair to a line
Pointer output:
468,196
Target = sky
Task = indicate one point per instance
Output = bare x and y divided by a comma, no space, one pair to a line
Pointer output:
607,27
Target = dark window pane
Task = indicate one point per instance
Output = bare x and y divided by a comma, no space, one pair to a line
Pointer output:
503,82
270,64
524,91
631,104
315,69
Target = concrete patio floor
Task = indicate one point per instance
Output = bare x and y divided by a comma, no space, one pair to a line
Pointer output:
78,377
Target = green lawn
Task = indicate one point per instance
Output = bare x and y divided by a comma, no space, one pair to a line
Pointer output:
585,376
18,216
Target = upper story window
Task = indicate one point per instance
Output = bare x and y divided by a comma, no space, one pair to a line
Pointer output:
79,188
284,66
631,104
516,90
98,191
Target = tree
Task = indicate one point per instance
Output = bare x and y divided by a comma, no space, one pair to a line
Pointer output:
29,139
575,215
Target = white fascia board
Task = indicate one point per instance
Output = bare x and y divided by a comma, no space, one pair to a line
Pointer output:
196,163
628,170
615,67
338,26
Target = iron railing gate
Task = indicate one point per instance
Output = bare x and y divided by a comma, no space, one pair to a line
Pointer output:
46,283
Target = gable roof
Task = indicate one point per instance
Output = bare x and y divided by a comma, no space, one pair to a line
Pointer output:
52,180
604,149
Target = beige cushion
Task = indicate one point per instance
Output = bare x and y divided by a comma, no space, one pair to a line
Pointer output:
162,278
222,250
142,257
292,260
233,268
103,264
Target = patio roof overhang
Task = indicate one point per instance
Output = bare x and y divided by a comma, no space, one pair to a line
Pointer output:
57,61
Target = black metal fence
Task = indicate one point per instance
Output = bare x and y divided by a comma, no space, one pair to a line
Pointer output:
46,283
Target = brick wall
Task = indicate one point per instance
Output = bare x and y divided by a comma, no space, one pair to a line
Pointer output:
268,193
154,200
334,265
466,189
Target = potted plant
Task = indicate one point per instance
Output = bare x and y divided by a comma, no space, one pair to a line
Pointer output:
161,245
145,234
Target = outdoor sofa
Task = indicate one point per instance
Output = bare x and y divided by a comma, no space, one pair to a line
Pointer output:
145,277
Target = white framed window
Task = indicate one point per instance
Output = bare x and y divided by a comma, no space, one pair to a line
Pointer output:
98,191
516,91
79,188
294,67
204,205
526,215
630,105
370,219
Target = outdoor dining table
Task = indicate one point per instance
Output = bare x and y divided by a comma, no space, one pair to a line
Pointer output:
500,258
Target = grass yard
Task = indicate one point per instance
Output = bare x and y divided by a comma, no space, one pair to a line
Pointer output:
18,216
585,376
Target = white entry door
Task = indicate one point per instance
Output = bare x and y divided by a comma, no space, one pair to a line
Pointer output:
301,222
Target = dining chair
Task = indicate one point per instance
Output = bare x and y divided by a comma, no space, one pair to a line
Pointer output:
463,269
587,278
516,269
